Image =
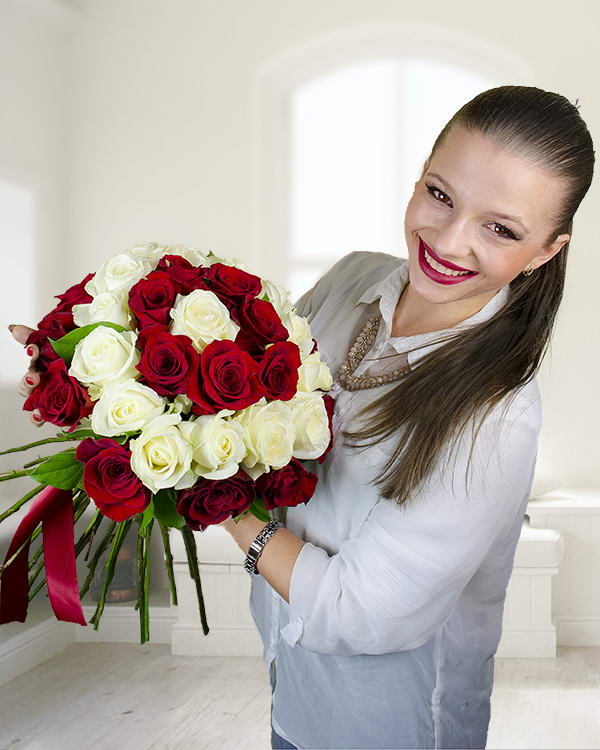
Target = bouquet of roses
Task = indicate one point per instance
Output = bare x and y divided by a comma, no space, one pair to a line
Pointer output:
193,392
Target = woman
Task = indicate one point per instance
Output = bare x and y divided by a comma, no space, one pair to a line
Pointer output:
388,587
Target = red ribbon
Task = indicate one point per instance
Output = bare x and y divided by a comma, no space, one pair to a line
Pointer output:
54,508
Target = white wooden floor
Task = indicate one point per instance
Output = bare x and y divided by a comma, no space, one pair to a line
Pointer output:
133,697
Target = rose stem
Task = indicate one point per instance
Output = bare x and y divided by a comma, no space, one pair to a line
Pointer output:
169,561
35,461
12,474
21,502
96,556
120,535
192,556
143,571
45,441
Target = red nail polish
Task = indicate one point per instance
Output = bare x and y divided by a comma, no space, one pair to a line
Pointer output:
29,380
29,351
37,417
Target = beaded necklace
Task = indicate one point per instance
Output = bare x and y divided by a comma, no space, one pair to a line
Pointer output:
355,355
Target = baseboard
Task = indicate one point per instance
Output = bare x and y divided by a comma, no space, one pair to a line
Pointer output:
34,646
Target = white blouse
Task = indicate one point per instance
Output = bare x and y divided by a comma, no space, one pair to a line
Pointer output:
395,614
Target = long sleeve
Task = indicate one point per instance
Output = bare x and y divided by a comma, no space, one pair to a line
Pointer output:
392,585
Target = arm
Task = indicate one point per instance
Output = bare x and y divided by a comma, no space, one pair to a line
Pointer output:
390,587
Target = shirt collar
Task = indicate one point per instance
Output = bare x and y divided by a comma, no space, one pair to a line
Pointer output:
389,289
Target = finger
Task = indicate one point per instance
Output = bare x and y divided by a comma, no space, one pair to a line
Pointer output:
21,332
31,378
36,418
24,388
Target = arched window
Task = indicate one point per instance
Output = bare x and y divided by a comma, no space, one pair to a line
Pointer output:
343,128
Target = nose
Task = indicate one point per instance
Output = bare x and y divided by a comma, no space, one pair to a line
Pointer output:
453,248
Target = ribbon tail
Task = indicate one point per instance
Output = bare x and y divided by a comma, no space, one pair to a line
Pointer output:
59,560
54,508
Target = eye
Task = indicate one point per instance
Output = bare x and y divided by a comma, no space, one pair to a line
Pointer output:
507,233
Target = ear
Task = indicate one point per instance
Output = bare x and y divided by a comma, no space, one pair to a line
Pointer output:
549,252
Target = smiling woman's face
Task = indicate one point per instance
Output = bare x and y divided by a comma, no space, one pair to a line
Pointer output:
459,209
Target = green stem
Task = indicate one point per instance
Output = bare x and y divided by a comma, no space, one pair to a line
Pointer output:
192,556
21,502
110,569
96,556
169,561
35,461
38,442
12,474
143,577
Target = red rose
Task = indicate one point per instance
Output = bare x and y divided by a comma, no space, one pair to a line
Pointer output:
232,285
168,361
228,379
75,295
289,486
184,276
54,326
61,399
109,479
259,325
152,298
278,370
329,406
211,501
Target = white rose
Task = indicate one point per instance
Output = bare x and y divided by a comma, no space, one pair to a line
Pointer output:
313,374
278,297
311,424
196,257
161,456
181,404
217,443
151,252
125,407
118,275
107,306
105,356
203,317
268,434
299,332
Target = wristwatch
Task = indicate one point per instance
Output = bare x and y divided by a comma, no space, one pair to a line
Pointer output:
258,543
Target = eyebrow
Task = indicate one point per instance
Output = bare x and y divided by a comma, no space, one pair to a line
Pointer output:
516,219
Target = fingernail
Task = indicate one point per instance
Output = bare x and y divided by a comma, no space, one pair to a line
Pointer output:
28,380
11,326
29,351
37,416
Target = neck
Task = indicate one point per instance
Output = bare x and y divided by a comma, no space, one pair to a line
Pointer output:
414,315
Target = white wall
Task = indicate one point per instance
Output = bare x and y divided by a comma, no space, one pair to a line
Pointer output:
34,81
140,127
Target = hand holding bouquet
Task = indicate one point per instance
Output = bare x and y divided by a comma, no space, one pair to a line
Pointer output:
193,392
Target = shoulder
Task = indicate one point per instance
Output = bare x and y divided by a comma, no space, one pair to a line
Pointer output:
357,271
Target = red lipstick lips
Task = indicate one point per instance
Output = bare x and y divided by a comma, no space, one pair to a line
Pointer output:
438,276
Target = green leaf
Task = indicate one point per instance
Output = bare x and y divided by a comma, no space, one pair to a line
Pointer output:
65,346
259,510
266,297
147,516
62,470
165,510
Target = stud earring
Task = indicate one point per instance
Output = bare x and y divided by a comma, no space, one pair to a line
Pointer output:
528,272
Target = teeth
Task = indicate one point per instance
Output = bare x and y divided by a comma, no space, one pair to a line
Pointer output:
442,269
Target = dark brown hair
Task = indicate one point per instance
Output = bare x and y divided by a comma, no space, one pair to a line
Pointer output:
480,366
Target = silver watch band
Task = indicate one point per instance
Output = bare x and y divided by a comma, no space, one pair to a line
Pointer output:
256,547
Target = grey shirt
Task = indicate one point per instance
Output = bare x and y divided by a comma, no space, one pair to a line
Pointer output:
394,616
